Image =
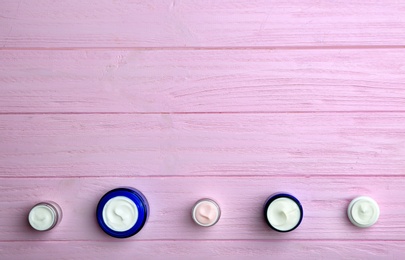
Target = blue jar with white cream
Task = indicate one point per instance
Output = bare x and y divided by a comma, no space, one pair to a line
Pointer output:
122,212
283,212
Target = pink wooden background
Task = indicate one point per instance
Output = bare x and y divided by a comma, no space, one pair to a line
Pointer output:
185,99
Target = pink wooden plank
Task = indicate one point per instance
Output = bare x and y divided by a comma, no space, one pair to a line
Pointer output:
103,23
202,81
203,144
324,199
178,250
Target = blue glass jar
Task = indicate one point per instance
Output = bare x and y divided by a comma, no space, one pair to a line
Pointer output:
283,212
122,212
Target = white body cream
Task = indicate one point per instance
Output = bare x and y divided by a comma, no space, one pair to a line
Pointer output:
120,214
44,216
283,212
363,212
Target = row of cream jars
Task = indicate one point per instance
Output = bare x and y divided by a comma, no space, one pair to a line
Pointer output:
283,212
123,212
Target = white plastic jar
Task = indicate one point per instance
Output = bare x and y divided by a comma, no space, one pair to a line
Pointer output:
363,212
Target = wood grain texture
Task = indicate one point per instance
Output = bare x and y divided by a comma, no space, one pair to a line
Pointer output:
103,23
177,250
303,144
233,100
241,200
202,81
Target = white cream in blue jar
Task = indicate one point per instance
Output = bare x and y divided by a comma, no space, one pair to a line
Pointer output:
122,212
283,212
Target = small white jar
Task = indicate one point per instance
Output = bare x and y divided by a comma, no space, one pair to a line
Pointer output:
363,212
45,216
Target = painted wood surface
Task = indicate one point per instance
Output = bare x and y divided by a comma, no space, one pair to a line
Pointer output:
232,100
176,23
275,144
241,200
202,81
360,250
